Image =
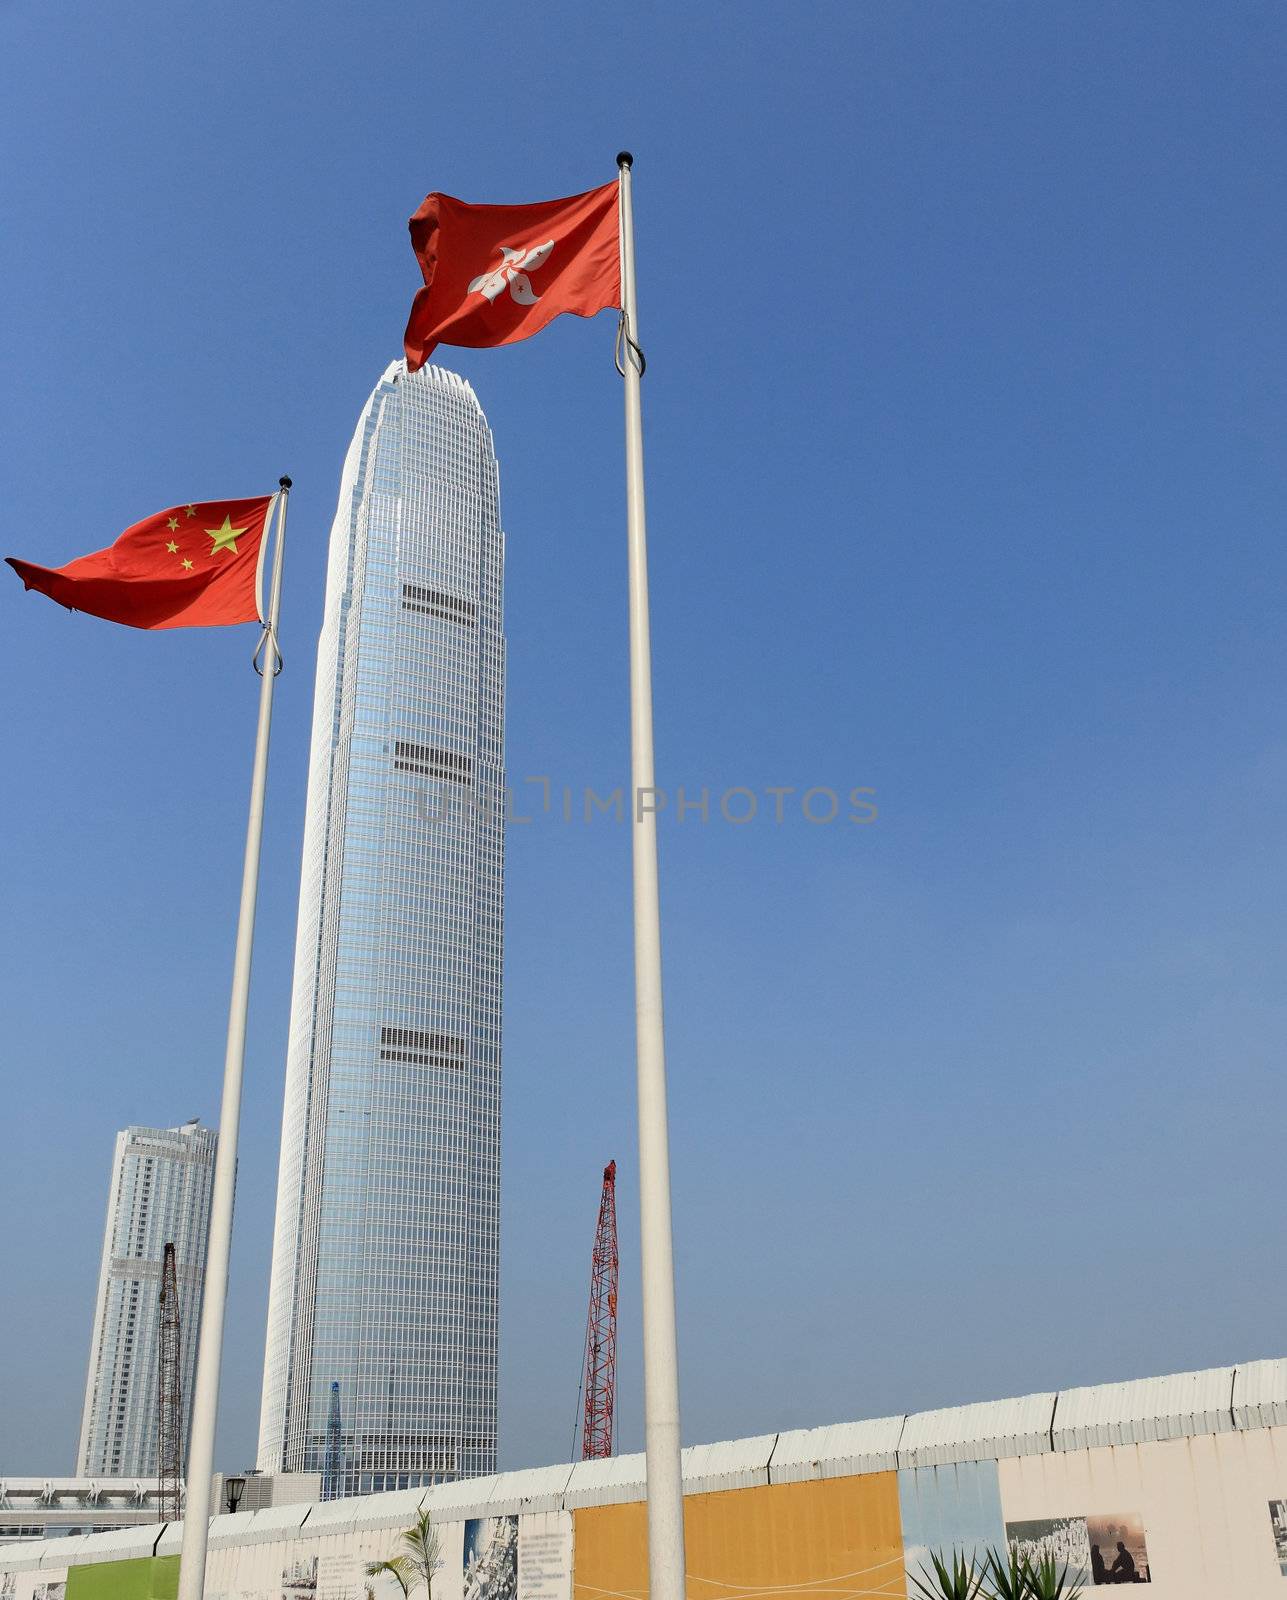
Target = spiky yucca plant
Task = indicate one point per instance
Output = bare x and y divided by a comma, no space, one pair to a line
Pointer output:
960,1581
1007,1575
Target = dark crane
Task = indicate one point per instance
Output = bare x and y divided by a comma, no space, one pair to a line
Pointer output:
333,1470
601,1329
169,1395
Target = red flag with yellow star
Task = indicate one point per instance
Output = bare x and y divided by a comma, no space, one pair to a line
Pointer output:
193,566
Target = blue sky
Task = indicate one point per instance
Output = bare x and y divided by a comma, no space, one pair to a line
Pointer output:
965,413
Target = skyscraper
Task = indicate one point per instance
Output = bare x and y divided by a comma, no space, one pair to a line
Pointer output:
160,1192
385,1258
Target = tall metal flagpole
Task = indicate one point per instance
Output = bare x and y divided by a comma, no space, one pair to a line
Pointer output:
661,1360
205,1393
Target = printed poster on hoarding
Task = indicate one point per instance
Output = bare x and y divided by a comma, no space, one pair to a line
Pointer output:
343,1560
48,1584
545,1556
1106,1549
526,1557
1278,1522
247,1572
332,1567
489,1569
286,1571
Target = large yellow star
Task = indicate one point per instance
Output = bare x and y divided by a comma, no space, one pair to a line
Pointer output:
225,538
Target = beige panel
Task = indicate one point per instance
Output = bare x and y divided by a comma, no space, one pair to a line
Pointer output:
1204,1501
1252,1470
841,1535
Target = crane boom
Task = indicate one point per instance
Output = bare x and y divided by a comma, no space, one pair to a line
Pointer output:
169,1398
333,1469
601,1329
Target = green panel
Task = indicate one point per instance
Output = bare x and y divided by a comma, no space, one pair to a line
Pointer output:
165,1578
146,1579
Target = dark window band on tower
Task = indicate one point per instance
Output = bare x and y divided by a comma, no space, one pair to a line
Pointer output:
431,762
434,603
421,1048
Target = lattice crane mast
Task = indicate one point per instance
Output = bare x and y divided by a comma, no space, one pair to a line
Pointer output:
169,1396
601,1329
333,1468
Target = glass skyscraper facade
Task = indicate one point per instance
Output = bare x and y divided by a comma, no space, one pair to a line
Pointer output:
385,1258
159,1195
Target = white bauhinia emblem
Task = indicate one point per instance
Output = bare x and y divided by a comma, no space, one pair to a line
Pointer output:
513,274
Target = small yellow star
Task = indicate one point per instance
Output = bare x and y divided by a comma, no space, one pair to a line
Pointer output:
172,524
172,547
192,511
187,566
225,538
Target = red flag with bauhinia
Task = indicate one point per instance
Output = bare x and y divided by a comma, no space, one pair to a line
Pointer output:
193,566
497,274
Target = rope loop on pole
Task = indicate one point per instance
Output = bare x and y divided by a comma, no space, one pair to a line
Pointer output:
632,351
268,636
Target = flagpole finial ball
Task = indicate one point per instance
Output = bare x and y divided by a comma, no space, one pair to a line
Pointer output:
625,159
285,482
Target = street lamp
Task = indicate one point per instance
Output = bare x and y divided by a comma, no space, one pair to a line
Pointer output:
234,1488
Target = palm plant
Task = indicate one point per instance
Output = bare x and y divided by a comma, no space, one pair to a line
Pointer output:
960,1581
420,1552
1046,1581
416,1562
396,1568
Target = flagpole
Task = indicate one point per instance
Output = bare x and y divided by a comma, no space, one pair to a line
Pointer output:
205,1393
661,1359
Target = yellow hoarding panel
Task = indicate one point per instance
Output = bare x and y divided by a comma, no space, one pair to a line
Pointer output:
836,1539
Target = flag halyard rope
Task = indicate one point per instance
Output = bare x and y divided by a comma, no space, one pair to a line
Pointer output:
632,351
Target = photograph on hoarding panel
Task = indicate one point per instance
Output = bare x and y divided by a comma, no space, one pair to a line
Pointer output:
299,1579
491,1558
1278,1522
1061,1539
1118,1553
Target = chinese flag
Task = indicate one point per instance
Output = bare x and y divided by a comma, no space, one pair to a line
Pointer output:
194,566
497,274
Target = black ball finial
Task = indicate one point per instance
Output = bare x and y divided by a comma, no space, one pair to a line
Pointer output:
285,482
625,159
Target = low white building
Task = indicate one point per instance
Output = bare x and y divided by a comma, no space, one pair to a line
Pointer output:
53,1508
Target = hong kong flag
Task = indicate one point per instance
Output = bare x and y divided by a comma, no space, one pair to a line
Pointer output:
193,566
497,274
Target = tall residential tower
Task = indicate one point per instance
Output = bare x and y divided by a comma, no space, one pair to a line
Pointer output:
385,1259
160,1193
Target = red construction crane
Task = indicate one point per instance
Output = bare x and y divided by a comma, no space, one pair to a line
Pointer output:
601,1329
